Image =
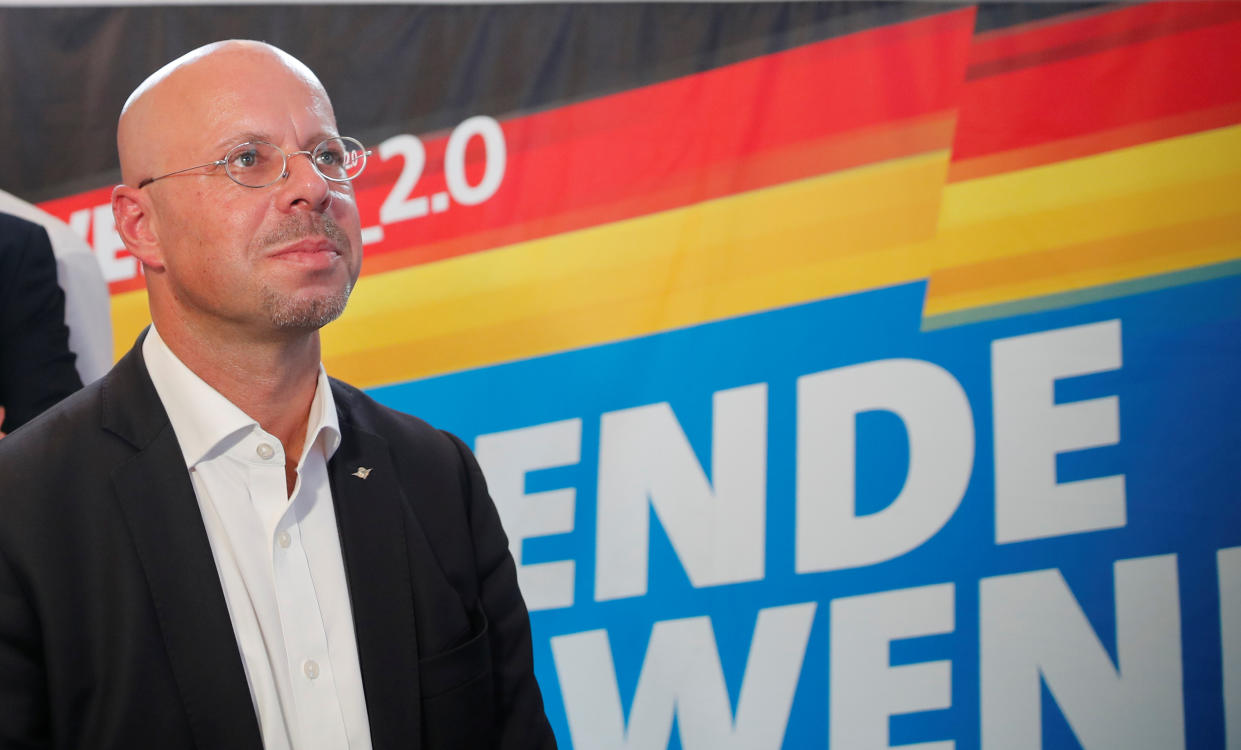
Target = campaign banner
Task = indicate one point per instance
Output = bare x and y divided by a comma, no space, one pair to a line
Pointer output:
821,526
868,382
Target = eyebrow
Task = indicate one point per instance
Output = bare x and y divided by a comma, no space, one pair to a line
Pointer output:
236,139
233,139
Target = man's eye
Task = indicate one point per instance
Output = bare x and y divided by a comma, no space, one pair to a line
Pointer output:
330,157
246,159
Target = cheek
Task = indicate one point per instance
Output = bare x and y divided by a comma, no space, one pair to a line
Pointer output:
209,218
344,212
211,256
201,269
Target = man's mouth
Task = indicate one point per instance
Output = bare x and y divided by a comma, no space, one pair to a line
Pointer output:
312,252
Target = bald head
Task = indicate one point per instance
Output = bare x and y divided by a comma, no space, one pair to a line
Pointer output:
218,255
192,92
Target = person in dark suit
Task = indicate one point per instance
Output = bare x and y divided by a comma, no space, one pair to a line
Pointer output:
36,365
216,545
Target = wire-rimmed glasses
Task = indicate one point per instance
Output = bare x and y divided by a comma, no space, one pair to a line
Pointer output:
257,164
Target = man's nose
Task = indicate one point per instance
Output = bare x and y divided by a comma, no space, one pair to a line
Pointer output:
303,184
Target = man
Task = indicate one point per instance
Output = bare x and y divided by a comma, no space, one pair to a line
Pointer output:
36,365
215,546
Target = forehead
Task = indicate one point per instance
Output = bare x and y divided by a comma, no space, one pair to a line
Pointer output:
243,94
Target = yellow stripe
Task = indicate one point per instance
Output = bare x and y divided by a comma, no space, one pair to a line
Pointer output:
1153,192
1084,278
768,248
1148,167
1086,222
129,316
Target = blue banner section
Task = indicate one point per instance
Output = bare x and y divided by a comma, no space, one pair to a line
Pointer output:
1034,565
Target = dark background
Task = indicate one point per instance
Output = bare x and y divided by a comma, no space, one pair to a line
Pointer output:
65,72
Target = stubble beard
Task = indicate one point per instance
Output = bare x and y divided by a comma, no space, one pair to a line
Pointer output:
293,311
289,312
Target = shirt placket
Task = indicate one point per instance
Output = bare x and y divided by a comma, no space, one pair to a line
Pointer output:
317,718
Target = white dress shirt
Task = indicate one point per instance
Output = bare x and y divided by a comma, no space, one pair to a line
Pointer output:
278,556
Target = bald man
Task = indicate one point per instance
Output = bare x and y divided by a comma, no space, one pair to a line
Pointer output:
216,545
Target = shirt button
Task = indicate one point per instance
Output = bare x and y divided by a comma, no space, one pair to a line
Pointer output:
284,540
265,451
311,668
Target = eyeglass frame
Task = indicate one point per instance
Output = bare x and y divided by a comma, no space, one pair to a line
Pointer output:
284,171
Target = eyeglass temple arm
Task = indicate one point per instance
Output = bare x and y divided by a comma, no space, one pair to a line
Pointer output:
149,180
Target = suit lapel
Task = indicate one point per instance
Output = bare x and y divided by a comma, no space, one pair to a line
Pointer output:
160,508
373,534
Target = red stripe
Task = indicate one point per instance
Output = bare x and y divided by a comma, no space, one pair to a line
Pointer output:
775,166
1117,87
1146,131
688,140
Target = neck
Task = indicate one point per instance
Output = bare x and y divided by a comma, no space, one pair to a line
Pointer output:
272,379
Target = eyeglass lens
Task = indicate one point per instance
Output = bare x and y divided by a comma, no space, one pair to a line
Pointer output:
257,164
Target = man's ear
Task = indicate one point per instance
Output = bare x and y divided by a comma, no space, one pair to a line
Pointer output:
136,225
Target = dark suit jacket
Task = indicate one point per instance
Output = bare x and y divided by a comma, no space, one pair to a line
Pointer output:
114,632
36,366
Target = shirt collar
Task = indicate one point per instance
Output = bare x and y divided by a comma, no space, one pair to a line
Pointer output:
206,423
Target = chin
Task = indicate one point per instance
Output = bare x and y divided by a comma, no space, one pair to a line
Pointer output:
305,312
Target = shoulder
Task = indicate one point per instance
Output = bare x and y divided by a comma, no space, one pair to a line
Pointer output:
103,422
23,244
15,226
63,425
439,478
57,463
19,237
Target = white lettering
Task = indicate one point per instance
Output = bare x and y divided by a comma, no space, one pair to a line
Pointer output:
79,222
1030,429
399,205
682,677
717,531
1229,562
505,458
865,688
1034,632
454,160
940,426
